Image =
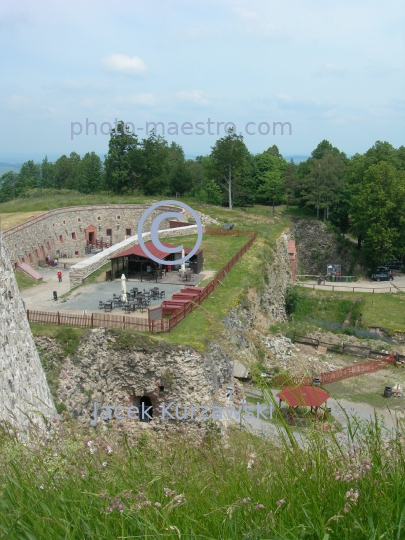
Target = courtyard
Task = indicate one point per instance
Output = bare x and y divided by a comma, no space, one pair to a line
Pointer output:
87,297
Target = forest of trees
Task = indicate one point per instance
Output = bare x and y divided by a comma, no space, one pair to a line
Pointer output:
364,194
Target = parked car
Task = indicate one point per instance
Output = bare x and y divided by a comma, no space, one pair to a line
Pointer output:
384,270
382,276
394,264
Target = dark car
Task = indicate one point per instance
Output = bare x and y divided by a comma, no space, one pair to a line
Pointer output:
384,270
394,264
382,276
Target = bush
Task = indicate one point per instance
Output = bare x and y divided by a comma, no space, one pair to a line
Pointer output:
291,299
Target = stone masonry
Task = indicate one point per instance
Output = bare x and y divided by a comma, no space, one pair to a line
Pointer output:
67,230
25,399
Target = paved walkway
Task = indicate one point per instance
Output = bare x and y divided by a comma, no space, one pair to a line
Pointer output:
360,286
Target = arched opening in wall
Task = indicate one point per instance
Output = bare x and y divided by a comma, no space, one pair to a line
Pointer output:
91,235
30,258
43,252
48,245
36,254
23,259
145,407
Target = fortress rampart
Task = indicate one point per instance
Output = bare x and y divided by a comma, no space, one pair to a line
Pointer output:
68,230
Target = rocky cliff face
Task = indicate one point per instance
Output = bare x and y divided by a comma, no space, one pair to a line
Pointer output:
113,368
25,399
317,247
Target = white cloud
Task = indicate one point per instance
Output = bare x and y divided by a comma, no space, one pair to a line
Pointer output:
17,101
329,68
195,96
245,14
124,64
138,99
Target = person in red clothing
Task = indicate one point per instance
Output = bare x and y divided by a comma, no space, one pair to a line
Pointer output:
60,276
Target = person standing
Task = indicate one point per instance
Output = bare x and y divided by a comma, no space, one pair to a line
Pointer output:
60,276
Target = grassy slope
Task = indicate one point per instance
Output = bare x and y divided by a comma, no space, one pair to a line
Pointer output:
197,488
199,327
24,281
385,310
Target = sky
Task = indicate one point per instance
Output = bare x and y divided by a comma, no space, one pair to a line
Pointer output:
316,70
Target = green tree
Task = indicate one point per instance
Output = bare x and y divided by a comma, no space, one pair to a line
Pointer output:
8,182
47,174
324,182
63,171
290,183
378,212
91,173
29,177
227,155
121,162
153,165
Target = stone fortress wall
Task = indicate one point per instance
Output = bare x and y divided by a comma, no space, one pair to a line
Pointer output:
25,398
67,230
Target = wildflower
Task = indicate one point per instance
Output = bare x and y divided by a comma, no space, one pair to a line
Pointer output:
89,443
169,492
41,487
251,462
158,505
104,464
121,508
141,495
259,507
104,496
346,508
92,450
179,499
248,499
280,502
146,503
108,448
108,510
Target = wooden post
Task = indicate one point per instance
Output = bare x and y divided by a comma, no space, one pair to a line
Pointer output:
28,315
58,318
92,320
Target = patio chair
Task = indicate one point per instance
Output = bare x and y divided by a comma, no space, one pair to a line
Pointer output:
127,308
107,308
162,294
101,305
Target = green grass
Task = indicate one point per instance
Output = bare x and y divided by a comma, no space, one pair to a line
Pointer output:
24,281
200,326
193,487
52,199
384,309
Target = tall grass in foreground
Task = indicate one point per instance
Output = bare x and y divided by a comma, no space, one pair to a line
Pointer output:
201,487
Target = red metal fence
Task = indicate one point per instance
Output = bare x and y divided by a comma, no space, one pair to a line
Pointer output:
228,232
347,372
